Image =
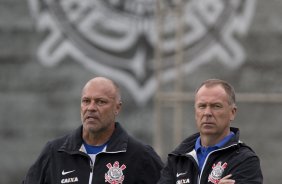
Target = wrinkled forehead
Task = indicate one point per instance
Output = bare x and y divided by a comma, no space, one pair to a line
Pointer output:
100,87
214,93
211,90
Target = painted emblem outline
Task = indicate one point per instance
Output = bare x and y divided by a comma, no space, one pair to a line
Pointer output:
211,24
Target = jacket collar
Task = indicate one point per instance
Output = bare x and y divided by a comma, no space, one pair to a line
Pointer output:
117,143
189,143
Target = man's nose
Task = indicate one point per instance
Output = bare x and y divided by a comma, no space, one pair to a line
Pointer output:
92,106
207,112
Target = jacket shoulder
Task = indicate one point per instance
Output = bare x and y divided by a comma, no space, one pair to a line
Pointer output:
139,146
59,141
62,141
186,145
247,151
145,151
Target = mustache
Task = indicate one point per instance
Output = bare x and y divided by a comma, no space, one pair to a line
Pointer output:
88,115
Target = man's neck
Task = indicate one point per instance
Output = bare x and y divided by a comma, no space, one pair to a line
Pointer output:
97,138
211,140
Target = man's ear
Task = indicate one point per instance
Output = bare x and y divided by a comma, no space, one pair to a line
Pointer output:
234,111
119,105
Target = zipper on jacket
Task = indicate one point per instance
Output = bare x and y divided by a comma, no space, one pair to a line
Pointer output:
91,171
193,156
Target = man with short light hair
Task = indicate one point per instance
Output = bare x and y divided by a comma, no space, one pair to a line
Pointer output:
214,155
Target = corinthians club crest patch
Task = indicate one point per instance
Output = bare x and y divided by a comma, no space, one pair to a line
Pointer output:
217,171
116,38
115,173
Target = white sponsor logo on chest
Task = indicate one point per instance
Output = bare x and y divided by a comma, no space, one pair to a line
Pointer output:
69,180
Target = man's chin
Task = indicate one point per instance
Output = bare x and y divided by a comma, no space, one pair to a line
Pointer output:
207,131
91,126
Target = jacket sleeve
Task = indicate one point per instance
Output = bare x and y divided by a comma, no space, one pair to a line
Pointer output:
151,167
248,171
167,174
37,174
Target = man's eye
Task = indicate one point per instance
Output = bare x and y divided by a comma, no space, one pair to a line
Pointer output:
85,101
216,106
101,102
201,106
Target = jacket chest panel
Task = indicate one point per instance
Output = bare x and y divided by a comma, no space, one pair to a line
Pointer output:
66,168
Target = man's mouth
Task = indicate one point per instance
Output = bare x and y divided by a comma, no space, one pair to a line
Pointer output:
91,118
208,123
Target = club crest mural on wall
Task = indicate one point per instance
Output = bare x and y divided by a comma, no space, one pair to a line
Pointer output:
116,38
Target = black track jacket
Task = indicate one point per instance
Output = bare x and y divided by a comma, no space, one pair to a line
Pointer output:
125,161
234,158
